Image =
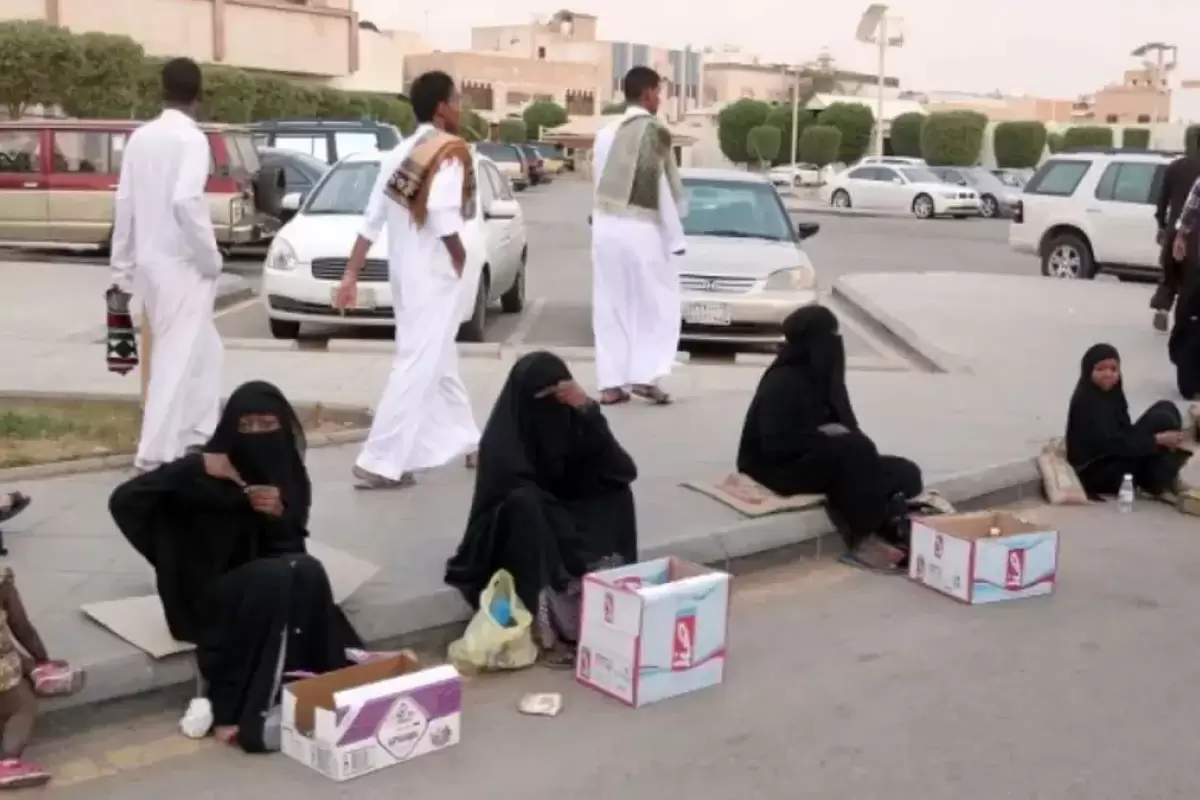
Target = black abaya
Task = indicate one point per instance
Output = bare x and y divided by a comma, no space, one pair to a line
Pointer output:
234,581
552,491
1103,445
801,435
1184,344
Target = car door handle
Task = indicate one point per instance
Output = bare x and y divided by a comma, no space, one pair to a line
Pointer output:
30,184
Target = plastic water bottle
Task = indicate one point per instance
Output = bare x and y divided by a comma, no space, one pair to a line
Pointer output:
1125,495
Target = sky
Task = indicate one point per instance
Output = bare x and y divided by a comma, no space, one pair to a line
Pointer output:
1051,48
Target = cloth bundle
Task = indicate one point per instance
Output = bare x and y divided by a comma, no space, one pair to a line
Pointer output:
122,338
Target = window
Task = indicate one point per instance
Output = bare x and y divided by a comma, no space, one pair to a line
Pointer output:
500,153
243,157
348,143
499,182
116,154
541,53
1058,178
1143,117
862,174
921,175
887,175
345,190
1128,183
314,145
20,151
81,152
516,98
736,210
1111,119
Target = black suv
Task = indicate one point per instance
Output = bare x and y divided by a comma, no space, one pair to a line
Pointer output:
326,139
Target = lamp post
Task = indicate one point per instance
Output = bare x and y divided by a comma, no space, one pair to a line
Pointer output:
795,116
877,28
1159,68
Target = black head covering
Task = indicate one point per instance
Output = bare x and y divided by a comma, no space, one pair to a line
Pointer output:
272,458
1095,415
813,345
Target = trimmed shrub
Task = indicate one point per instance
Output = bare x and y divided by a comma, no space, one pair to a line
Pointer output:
819,145
856,123
1087,136
512,131
38,64
230,95
1019,145
780,116
763,142
1054,142
1136,137
542,115
906,134
953,138
106,81
734,123
612,108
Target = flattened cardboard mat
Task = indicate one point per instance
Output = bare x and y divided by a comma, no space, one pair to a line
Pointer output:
140,620
749,497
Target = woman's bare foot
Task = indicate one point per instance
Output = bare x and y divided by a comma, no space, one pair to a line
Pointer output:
226,734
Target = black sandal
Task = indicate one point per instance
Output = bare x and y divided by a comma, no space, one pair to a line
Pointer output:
17,502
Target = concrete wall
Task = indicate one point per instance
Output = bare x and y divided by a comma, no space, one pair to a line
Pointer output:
509,76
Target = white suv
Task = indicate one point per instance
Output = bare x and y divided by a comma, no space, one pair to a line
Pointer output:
1092,212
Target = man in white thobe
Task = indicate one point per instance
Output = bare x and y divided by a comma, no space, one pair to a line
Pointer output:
164,251
637,232
424,195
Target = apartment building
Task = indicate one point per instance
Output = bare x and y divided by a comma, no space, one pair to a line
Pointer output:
731,75
1000,107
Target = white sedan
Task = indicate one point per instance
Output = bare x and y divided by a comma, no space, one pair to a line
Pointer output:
900,188
798,175
308,255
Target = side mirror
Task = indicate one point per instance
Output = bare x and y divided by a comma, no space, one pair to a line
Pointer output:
289,206
807,230
501,209
962,181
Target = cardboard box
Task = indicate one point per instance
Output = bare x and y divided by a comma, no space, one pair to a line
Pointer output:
956,554
654,630
363,718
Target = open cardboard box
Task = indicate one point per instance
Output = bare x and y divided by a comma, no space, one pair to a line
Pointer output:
958,555
363,718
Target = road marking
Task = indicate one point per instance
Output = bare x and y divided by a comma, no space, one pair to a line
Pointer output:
242,306
521,332
127,759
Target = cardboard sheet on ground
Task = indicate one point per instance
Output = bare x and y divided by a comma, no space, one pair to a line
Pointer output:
140,620
749,497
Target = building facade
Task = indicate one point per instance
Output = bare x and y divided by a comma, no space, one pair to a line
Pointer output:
730,75
1143,96
1000,107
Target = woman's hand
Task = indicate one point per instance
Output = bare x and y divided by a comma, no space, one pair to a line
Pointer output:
265,499
571,394
833,429
220,467
1171,440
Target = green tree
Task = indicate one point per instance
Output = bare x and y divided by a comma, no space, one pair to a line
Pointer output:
1087,136
230,95
38,63
542,115
275,98
762,143
856,122
612,108
511,131
733,127
953,138
474,127
780,116
820,144
106,83
1019,145
906,134
1136,137
1054,142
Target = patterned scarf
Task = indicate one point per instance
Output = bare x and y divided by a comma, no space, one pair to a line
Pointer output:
409,185
122,338
640,154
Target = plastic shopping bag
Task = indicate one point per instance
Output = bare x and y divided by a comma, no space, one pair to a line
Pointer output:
500,635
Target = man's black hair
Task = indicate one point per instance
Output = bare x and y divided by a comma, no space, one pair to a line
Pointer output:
182,81
429,91
638,81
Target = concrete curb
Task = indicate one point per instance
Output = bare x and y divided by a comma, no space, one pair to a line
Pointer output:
435,619
933,356
820,209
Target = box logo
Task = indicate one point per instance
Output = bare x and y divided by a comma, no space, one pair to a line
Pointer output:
1014,569
585,663
610,611
683,646
631,582
938,546
402,729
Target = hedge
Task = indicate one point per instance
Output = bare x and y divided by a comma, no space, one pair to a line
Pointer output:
763,143
780,116
1054,142
1136,137
1087,136
104,75
734,122
856,123
953,138
542,115
906,134
1019,145
819,145
512,131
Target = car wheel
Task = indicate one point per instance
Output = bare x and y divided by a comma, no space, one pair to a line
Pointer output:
285,329
840,199
513,301
1068,256
988,207
472,329
922,206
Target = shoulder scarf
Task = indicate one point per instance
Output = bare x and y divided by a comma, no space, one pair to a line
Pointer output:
640,154
409,184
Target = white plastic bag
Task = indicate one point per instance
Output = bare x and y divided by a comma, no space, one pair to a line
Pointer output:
488,643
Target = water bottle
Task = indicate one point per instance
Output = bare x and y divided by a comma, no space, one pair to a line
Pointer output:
1125,496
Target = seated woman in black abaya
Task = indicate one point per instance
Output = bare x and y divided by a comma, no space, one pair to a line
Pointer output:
552,500
801,437
1104,446
225,532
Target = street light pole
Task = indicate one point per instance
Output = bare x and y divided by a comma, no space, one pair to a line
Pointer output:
883,45
795,118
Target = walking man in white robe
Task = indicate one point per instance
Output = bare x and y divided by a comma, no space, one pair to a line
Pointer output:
164,251
424,195
637,232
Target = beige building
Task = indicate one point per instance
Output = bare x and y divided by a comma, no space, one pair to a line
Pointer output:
381,60
731,75
999,107
1143,96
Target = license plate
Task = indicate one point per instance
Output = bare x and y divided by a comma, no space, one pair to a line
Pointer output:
707,314
364,301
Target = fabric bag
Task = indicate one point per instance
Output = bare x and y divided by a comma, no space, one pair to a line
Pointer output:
1061,484
500,635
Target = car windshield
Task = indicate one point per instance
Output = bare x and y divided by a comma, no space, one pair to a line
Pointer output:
503,153
736,210
243,157
549,150
306,162
345,189
920,175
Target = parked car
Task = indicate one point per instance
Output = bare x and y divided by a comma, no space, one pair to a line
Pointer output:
796,175
996,199
552,155
308,257
894,161
913,189
327,140
301,172
509,160
1090,212
537,165
58,178
1013,178
745,269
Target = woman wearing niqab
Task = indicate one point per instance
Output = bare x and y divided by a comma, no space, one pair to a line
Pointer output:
801,437
552,500
225,533
1104,445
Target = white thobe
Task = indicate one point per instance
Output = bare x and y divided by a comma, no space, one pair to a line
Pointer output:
164,251
635,284
424,418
